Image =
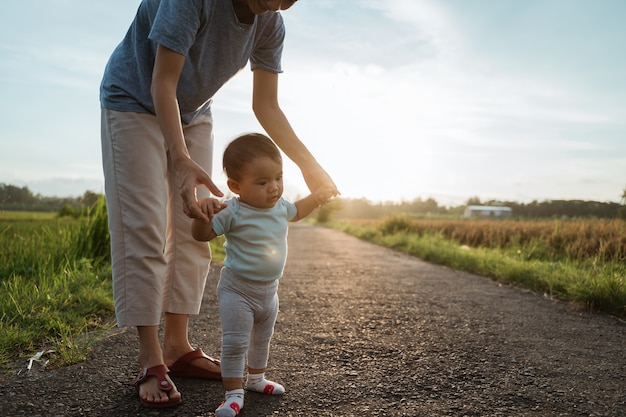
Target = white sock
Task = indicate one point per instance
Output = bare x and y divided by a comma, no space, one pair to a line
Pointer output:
231,405
258,383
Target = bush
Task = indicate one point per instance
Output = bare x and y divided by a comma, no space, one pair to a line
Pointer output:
94,241
68,211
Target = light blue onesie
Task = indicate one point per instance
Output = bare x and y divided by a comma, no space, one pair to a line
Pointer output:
256,251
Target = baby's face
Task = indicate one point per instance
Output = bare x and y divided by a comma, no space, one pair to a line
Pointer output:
261,183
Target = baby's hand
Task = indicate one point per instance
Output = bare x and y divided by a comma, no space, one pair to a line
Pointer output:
211,206
324,194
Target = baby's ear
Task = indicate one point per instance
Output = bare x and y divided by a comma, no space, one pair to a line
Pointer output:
233,186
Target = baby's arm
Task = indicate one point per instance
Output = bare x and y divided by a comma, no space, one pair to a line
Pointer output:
309,203
201,230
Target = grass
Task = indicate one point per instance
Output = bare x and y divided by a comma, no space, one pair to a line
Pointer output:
55,284
597,282
55,291
54,308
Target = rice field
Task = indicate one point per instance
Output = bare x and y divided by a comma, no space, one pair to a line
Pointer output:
579,261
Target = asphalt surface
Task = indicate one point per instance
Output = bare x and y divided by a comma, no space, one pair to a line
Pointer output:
366,331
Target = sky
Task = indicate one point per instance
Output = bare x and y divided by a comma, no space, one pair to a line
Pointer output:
400,99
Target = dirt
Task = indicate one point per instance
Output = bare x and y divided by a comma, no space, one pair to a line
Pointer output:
366,331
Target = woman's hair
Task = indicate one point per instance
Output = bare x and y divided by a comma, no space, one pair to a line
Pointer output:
245,149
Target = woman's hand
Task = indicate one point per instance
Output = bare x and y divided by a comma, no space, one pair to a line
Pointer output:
316,178
188,175
324,195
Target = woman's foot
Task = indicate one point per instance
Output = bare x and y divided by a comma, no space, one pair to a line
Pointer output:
155,388
195,364
176,346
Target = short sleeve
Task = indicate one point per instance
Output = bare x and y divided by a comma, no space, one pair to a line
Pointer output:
176,24
290,209
268,46
222,221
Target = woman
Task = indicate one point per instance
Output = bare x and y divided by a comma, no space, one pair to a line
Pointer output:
157,145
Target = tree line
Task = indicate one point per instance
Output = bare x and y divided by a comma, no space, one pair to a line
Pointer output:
13,198
365,209
22,199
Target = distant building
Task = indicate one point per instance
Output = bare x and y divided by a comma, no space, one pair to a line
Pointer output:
499,212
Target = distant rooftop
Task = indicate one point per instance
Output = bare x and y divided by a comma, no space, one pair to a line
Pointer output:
490,208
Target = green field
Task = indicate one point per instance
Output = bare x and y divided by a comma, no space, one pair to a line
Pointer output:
55,274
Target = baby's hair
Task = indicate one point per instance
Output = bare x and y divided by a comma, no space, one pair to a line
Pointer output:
244,149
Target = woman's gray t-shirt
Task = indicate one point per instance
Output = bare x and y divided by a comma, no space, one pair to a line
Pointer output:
208,34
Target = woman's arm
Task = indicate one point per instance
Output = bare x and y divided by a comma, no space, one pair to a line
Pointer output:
269,114
166,73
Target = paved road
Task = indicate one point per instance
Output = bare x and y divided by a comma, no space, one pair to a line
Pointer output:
366,331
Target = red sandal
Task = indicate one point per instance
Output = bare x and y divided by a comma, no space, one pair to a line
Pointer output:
160,373
183,366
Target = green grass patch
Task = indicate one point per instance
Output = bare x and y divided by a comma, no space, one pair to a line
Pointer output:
53,308
600,285
55,283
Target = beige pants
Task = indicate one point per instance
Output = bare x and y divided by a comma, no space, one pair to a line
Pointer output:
157,266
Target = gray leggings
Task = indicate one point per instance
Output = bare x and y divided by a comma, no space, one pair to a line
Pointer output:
248,311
